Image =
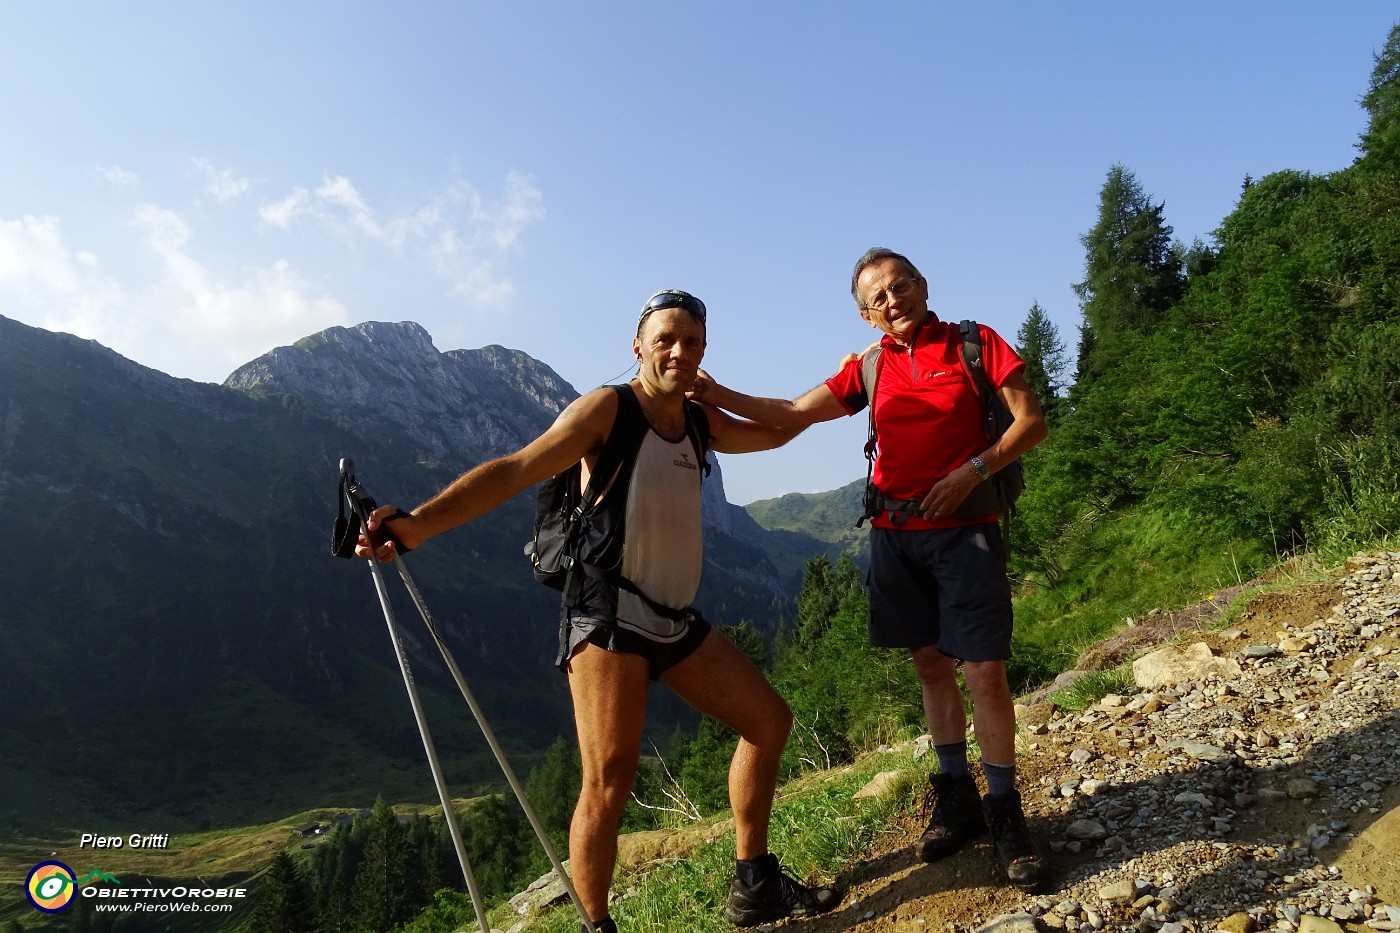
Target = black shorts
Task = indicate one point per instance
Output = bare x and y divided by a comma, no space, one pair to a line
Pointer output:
945,587
661,656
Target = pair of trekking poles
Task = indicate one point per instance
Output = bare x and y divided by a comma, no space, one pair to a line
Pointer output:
343,545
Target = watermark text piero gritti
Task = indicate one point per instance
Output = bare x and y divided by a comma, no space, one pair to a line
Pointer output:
134,841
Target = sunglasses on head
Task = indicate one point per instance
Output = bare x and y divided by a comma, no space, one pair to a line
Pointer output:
674,299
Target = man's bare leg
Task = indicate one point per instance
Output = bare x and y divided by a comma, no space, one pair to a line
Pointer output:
993,710
943,705
609,692
720,681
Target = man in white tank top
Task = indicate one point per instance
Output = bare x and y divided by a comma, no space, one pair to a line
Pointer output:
609,661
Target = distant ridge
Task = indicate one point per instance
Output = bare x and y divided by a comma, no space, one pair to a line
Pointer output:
176,574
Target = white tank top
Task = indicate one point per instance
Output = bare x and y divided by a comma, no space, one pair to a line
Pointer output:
662,550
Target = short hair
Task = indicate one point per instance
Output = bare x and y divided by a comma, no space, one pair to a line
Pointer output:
873,255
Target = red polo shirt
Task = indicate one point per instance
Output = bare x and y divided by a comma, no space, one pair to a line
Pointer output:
927,412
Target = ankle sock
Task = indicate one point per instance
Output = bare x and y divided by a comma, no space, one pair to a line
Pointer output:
952,758
754,870
1001,779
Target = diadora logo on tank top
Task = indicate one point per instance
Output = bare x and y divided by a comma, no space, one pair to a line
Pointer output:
684,461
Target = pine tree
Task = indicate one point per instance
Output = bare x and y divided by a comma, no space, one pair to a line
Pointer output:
1132,275
1039,344
385,884
553,788
816,604
286,900
1381,142
333,868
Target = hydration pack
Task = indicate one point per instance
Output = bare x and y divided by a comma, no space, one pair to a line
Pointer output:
562,511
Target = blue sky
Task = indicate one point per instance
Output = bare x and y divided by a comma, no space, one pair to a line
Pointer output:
195,183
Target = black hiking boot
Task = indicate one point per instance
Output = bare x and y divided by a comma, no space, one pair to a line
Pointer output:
775,898
1016,850
956,818
600,926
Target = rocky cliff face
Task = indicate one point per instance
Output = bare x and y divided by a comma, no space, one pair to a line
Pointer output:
463,406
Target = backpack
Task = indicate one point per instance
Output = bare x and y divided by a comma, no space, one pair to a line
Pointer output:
562,512
999,492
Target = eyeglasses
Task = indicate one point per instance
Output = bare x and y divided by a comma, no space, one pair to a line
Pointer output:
674,298
898,290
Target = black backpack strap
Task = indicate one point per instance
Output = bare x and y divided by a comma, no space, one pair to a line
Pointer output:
972,362
697,428
873,501
628,427
620,444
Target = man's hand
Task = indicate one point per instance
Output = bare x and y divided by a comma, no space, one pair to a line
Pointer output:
396,523
850,357
704,389
949,492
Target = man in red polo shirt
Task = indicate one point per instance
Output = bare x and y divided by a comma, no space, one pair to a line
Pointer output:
938,584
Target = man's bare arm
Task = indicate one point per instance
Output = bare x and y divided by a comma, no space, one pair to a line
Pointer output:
1025,431
819,404
730,435
579,430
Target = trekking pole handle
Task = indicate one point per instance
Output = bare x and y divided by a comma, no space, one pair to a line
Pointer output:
363,505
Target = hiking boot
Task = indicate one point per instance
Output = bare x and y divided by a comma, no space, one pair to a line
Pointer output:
776,897
956,808
1016,850
600,926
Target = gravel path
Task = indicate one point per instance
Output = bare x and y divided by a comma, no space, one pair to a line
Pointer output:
1259,791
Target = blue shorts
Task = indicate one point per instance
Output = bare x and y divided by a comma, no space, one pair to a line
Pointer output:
945,587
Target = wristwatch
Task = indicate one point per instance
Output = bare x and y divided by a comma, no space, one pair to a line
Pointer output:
980,467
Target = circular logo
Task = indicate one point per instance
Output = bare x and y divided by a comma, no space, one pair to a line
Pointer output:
49,887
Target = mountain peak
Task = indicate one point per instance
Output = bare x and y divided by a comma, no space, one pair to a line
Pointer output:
462,406
406,337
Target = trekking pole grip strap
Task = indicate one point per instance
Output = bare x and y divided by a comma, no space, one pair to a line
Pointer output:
346,534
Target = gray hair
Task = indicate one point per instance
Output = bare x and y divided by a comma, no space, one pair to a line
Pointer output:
873,255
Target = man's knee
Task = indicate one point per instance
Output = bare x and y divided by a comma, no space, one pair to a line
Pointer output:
782,722
609,784
769,725
986,679
933,667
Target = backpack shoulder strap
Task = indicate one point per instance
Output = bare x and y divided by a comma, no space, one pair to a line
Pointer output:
697,427
869,372
972,349
628,428
972,362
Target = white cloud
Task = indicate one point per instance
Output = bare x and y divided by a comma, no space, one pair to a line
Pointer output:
461,235
221,183
281,213
119,177
42,281
186,320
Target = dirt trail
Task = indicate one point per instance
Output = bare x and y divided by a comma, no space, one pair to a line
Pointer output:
1224,871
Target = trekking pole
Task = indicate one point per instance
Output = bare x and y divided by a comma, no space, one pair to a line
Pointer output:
358,504
362,505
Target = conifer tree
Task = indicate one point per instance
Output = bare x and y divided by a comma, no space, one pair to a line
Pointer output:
1132,275
286,902
553,788
1381,142
385,883
1039,344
